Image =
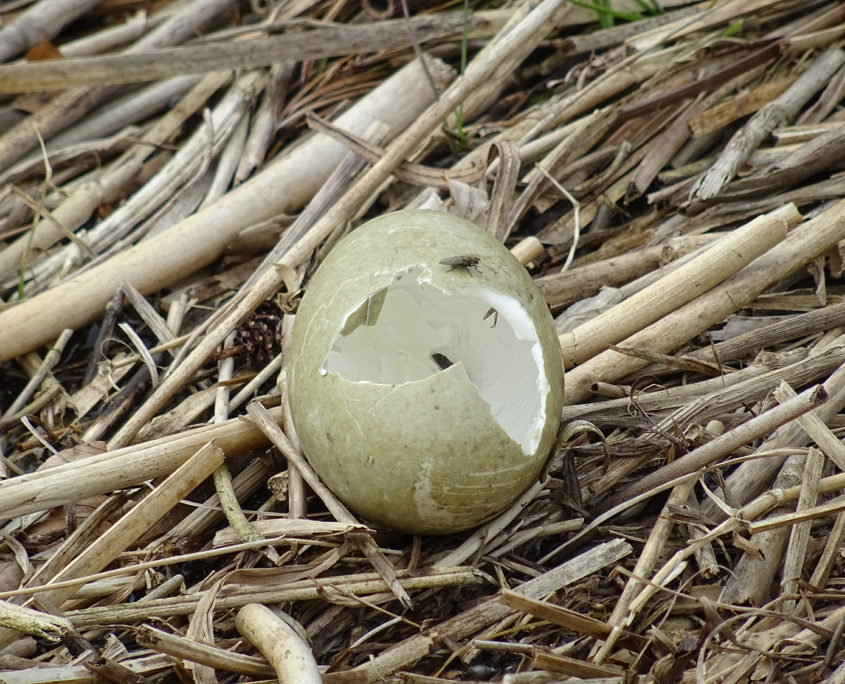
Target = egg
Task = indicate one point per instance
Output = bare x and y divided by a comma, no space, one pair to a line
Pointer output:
425,376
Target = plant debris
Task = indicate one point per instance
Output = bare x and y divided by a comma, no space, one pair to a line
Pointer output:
668,171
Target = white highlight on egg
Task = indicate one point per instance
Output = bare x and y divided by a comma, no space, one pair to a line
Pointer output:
389,338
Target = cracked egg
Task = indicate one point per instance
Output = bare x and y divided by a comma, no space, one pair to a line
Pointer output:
425,374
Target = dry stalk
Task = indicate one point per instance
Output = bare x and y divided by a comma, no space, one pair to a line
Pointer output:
223,483
796,550
83,585
190,162
750,582
362,584
751,511
824,564
805,242
283,647
121,468
768,336
139,519
477,541
411,650
264,121
622,614
684,284
128,110
710,16
247,54
41,21
180,647
76,209
112,37
612,129
203,235
191,18
750,478
199,521
719,395
708,454
148,666
780,110
29,621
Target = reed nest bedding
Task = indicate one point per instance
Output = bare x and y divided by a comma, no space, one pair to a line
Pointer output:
670,173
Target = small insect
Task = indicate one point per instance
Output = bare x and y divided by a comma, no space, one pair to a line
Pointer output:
491,312
466,262
442,360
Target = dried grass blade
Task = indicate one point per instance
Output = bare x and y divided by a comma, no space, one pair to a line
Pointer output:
50,360
685,283
570,619
784,108
140,518
752,477
705,455
307,590
213,656
805,242
41,21
199,59
121,468
408,652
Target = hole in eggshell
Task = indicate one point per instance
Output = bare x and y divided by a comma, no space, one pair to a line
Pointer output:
412,330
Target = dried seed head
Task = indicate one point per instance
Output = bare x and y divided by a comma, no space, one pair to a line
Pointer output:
259,338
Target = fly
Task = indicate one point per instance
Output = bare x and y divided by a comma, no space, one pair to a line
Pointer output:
466,262
491,312
442,360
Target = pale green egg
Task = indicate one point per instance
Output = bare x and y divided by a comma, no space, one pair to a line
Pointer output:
426,395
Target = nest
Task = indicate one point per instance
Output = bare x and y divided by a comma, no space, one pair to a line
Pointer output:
668,172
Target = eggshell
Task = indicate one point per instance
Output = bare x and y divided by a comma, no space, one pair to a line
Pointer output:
400,440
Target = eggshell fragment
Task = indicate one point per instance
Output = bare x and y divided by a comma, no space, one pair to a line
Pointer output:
426,395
